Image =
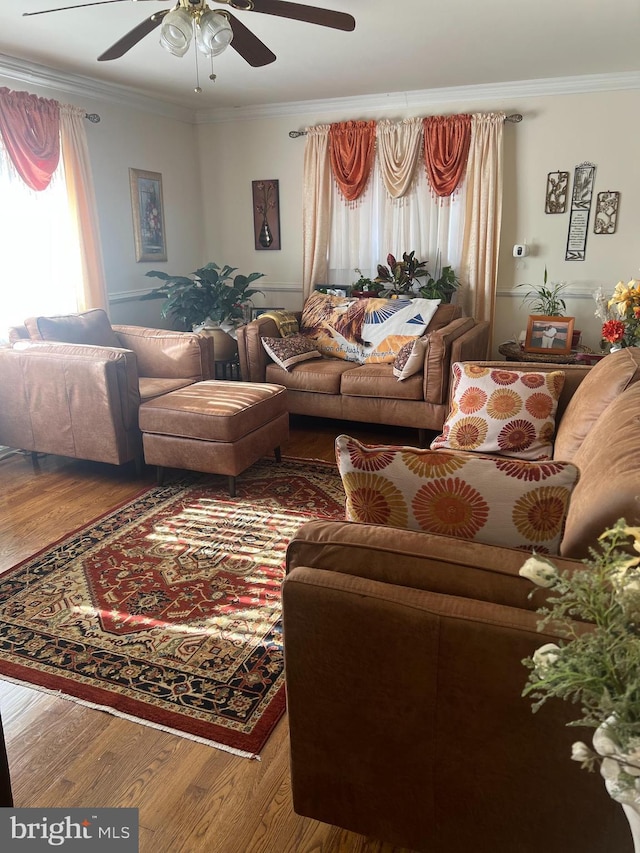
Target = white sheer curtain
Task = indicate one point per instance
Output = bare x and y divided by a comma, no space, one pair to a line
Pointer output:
40,268
50,255
363,234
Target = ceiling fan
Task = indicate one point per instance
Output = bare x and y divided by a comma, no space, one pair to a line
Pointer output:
215,29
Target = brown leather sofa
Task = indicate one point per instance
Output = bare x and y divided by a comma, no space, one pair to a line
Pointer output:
403,659
332,388
72,385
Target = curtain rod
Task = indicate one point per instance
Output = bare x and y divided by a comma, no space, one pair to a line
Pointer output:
514,119
94,118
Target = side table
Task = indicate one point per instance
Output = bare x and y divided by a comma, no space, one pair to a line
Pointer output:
514,352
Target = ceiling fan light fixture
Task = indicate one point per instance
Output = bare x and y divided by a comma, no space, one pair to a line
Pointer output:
213,33
176,31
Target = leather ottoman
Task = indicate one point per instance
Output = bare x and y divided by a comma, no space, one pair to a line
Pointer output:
214,426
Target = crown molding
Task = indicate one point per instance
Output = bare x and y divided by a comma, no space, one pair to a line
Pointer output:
80,86
589,83
87,87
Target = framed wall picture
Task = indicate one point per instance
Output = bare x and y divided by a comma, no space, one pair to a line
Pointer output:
148,215
266,213
550,335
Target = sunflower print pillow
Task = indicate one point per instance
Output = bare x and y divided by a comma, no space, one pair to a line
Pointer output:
514,503
509,412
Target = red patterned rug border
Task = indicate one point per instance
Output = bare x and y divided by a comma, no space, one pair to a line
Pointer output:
207,733
74,531
247,743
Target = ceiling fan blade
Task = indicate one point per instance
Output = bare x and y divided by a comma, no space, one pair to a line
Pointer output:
309,14
249,46
133,36
77,6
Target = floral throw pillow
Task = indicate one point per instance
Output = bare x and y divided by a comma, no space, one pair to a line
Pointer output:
509,412
289,351
509,502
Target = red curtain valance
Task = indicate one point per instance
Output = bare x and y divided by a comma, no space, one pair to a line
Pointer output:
446,149
30,129
351,149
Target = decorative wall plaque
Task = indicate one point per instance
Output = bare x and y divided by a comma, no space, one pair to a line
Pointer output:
583,179
556,196
606,212
266,214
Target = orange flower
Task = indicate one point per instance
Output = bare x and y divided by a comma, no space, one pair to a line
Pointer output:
613,331
472,400
539,405
450,507
504,403
433,464
374,500
516,435
468,433
539,514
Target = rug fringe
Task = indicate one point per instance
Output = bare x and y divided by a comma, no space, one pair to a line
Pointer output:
312,460
116,713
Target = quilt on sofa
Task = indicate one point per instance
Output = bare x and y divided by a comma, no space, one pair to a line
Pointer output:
364,331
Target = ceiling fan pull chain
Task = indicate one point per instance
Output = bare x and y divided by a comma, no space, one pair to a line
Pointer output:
212,76
197,89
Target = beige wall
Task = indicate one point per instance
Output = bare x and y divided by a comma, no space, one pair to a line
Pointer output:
232,155
207,171
131,137
557,133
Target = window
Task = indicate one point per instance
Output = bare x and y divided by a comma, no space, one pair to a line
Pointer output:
40,267
363,234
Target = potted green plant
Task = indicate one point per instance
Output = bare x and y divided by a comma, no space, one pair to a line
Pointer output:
365,286
401,275
210,299
545,299
211,295
442,287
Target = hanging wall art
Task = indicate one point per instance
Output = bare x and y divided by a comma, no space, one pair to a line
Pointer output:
606,212
581,198
266,214
556,195
148,215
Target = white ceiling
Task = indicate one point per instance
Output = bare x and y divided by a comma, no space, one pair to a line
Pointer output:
401,47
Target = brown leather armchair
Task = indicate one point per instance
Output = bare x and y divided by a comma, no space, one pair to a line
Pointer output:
72,385
404,672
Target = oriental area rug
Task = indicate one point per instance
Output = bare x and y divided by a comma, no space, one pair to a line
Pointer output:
166,610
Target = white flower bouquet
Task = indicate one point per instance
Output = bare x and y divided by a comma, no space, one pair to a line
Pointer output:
596,666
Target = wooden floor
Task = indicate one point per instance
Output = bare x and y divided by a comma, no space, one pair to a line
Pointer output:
191,797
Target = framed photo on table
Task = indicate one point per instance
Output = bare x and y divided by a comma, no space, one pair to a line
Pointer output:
550,335
148,215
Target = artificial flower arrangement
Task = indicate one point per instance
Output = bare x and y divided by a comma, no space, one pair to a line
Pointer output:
597,610
620,314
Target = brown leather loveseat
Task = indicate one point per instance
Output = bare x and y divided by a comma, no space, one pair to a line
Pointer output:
72,385
403,656
332,388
